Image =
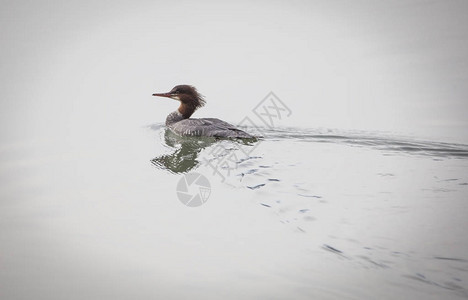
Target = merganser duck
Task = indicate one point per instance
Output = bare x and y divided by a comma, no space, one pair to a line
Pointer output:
180,122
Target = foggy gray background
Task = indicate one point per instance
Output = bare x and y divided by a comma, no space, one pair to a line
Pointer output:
398,66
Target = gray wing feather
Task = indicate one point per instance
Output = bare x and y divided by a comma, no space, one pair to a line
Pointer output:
208,127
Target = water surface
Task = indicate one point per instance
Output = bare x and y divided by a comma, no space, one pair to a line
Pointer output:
302,213
388,209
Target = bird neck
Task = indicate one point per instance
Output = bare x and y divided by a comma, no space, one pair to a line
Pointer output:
186,109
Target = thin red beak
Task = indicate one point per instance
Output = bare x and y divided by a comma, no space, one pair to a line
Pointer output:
167,95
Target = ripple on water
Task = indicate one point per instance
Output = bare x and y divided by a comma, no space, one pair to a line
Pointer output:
256,186
372,140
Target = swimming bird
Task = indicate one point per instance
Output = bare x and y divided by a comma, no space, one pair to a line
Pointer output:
180,122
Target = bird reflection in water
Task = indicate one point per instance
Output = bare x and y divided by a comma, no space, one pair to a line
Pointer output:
185,157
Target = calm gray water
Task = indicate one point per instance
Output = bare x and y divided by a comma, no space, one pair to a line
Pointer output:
298,214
